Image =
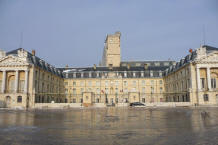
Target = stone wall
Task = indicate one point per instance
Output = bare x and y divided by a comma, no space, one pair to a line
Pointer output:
79,105
2,104
57,105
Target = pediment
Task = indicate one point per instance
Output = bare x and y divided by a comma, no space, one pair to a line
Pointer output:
13,61
210,58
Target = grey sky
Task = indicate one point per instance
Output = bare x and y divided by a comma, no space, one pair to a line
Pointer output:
73,31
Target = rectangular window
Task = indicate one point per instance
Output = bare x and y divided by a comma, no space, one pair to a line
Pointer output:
74,91
106,83
202,83
206,98
97,83
97,90
134,83
125,83
161,82
81,90
152,82
36,74
188,83
134,89
106,90
74,84
143,82
143,89
21,85
213,83
116,90
82,83
36,85
161,90
89,83
143,100
66,91
125,90
116,83
152,90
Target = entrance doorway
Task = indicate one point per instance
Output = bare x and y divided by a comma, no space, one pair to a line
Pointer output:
112,101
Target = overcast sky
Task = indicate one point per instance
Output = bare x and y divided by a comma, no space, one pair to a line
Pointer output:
73,31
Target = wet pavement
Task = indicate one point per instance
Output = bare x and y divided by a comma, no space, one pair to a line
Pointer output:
110,126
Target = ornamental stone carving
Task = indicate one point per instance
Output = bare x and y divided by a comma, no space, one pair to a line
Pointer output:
201,52
210,58
12,61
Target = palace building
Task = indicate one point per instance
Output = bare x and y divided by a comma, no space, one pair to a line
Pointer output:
28,81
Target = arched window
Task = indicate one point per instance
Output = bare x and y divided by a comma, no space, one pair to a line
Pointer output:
11,84
19,99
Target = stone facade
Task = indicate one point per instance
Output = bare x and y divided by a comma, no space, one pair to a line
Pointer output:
195,81
111,54
114,90
29,82
23,83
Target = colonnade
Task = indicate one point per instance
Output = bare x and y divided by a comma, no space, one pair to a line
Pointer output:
199,87
4,78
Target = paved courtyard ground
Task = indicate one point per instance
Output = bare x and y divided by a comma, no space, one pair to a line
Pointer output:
110,126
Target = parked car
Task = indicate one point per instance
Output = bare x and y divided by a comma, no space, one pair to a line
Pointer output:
137,104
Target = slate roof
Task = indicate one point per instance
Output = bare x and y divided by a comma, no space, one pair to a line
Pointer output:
132,71
187,59
134,66
87,69
38,62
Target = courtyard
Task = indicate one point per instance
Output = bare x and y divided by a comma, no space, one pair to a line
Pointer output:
110,126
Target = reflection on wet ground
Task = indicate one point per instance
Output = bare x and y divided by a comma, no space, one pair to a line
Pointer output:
110,126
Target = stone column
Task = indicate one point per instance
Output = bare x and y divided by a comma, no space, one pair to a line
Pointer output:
16,81
208,78
26,81
3,81
198,78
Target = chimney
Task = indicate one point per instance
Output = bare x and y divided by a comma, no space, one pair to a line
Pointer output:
128,66
33,52
145,66
94,67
